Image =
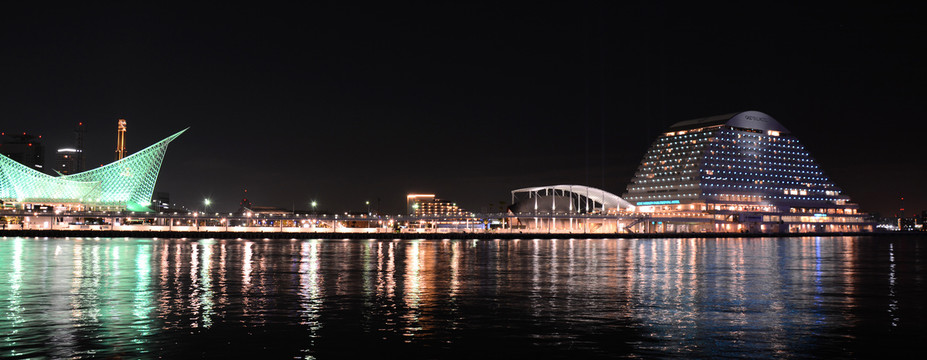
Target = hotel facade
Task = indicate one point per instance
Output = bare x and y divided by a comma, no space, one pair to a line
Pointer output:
743,172
738,172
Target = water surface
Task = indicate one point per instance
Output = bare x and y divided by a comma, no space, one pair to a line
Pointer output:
542,298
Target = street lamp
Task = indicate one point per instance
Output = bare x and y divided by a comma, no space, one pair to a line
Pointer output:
206,203
368,207
313,203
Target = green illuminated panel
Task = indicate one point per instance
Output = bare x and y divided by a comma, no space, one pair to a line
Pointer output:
128,182
20,183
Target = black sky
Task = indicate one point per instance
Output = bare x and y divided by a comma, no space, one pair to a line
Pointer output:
351,102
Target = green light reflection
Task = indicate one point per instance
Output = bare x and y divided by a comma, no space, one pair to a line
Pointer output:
12,320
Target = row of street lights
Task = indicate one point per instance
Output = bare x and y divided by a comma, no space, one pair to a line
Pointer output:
207,202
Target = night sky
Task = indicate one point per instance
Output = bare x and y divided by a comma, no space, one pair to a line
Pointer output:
350,103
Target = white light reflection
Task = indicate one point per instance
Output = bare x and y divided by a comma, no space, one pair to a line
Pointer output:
14,311
455,269
553,267
195,305
893,302
571,274
75,279
223,284
535,276
310,289
389,274
246,267
143,304
178,285
63,337
206,294
412,289
368,269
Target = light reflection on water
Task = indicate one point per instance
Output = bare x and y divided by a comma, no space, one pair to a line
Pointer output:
758,298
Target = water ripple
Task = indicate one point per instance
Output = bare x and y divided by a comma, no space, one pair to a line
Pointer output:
718,298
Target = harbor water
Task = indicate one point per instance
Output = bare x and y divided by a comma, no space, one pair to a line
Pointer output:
815,297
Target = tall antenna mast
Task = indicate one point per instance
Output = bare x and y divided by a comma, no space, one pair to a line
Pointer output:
121,139
81,164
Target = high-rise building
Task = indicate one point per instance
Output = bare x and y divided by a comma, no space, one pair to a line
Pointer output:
745,167
67,161
25,149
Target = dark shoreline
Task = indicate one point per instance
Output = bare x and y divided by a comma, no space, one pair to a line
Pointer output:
412,236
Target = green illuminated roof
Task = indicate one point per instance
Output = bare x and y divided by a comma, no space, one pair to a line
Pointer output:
128,182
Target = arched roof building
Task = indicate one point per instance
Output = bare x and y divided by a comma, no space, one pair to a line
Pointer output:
566,199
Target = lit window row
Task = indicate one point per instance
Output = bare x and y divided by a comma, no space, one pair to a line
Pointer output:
778,197
669,143
784,182
760,144
662,196
723,146
664,180
762,175
785,190
753,168
785,139
674,187
732,153
760,162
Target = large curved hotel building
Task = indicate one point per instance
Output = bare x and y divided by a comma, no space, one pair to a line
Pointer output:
742,171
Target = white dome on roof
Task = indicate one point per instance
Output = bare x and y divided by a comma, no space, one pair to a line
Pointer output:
757,121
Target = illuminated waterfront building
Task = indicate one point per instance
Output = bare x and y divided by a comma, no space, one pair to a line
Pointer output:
124,184
743,169
559,204
567,199
429,205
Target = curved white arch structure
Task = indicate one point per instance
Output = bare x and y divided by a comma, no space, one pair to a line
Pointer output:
580,199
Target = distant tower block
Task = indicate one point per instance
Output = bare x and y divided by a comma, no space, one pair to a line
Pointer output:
121,139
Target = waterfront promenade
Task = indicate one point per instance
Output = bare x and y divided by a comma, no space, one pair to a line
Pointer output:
347,226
